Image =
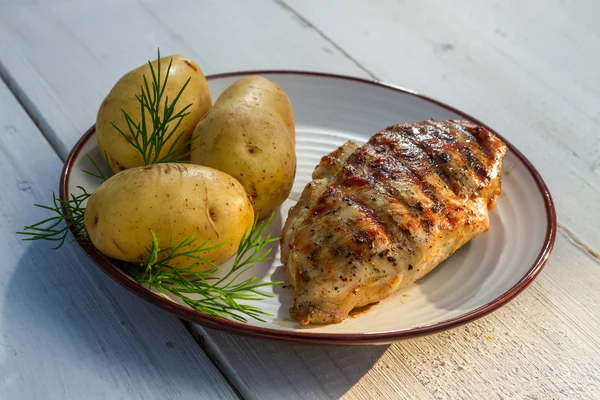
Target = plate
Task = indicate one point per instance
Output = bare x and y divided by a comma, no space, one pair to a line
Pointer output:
485,274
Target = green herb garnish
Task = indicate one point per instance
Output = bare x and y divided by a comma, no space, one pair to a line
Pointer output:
67,215
219,296
151,139
99,173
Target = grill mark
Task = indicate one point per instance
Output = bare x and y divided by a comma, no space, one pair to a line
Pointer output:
409,172
474,163
352,179
384,218
479,143
461,182
353,239
441,128
395,154
452,184
388,191
322,205
424,214
369,212
481,135
464,149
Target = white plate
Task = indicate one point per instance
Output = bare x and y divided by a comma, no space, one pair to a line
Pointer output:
483,275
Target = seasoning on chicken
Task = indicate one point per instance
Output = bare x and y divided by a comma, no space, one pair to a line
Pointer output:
378,217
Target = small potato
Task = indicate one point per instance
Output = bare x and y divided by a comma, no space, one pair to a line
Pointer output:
121,154
249,134
174,200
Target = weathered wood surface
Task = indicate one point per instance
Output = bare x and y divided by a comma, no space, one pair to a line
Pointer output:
528,70
542,345
62,57
66,330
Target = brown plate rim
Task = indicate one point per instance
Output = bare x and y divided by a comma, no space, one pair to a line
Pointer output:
328,338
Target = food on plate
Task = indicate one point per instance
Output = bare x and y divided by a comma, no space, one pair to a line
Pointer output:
378,217
249,134
173,73
173,224
176,201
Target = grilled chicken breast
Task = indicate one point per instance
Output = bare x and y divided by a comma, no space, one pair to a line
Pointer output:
378,217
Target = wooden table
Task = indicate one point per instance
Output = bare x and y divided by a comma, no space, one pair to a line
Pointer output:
530,69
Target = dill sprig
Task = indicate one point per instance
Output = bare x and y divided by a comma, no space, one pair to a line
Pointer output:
67,215
99,173
220,296
224,296
150,139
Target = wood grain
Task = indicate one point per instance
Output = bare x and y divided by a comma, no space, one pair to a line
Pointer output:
62,58
66,331
542,345
523,60
529,70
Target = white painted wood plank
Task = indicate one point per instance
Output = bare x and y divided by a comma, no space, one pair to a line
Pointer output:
66,330
542,345
65,56
528,69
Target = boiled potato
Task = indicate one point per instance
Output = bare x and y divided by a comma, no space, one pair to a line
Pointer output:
249,134
172,199
121,154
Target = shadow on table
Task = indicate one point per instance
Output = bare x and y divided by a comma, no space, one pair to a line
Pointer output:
279,370
63,317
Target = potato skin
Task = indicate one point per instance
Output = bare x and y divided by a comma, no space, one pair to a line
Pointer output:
123,155
249,134
179,200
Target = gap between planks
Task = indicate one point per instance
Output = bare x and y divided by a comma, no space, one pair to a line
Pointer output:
201,336
571,236
577,242
304,21
220,361
205,343
27,105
